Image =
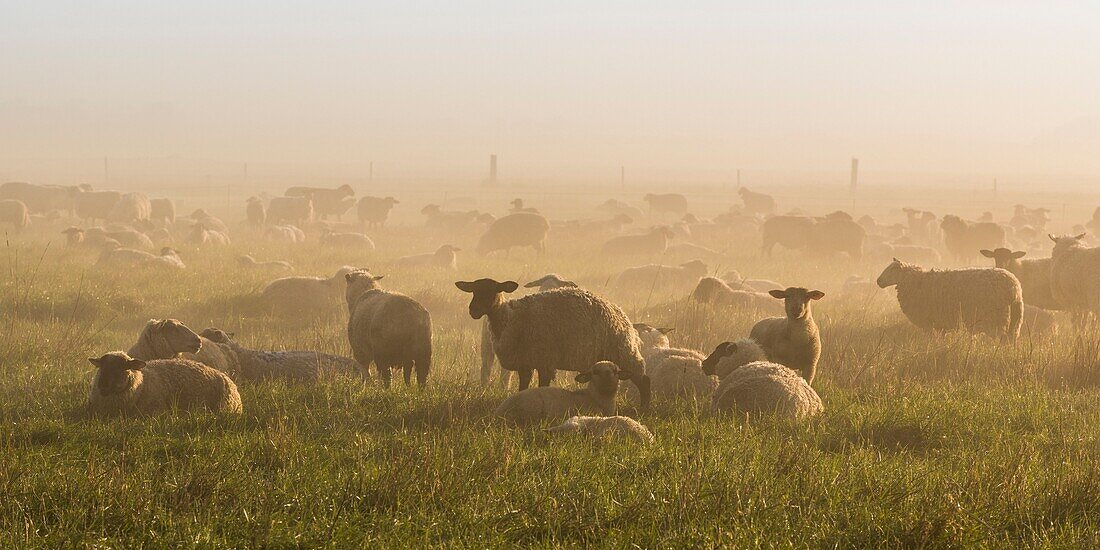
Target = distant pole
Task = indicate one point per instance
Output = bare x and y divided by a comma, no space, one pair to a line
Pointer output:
370,174
994,186
622,176
738,178
493,170
106,173
855,174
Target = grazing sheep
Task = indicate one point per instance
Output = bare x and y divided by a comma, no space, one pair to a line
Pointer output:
984,300
520,229
162,210
127,257
1075,275
388,328
296,210
16,213
793,340
649,244
209,222
95,205
556,330
374,211
767,388
757,203
292,366
285,234
444,258
347,240
125,384
298,295
790,231
169,338
964,239
604,427
714,291
729,356
534,405
662,276
131,207
41,198
201,236
668,203
325,202
248,262
449,222
255,212
1034,275
517,206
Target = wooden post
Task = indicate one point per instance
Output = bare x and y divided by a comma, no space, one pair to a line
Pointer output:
622,176
855,174
493,170
738,178
106,173
370,174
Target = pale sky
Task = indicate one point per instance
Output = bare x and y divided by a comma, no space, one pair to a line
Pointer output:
977,87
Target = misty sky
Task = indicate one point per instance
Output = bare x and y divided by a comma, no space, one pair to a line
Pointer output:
566,87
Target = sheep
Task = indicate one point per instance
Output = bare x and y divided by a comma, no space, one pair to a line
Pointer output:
651,338
201,236
1034,275
210,222
963,239
604,427
163,210
729,356
616,208
649,244
255,212
983,300
126,237
357,241
836,232
1075,275
757,203
520,229
169,338
374,211
677,374
793,340
131,207
292,366
42,198
296,210
127,257
556,330
444,258
737,282
662,276
668,203
95,205
1038,321
517,206
689,251
534,405
126,384
1033,217
325,202
450,222
714,291
248,262
16,213
790,231
285,234
390,329
295,295
550,281
766,388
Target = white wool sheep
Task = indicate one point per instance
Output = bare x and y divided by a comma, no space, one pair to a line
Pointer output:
655,242
984,300
296,210
1075,275
714,291
794,340
295,295
201,236
15,213
604,427
374,211
535,405
357,241
127,257
169,338
41,198
515,230
126,237
210,222
444,258
285,233
652,338
248,262
767,388
654,276
729,356
1034,275
125,384
292,366
737,282
131,207
387,328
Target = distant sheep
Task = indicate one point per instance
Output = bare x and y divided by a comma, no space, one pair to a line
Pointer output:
535,405
14,212
1075,275
389,329
668,203
131,207
208,221
126,237
162,210
296,295
517,206
689,251
616,207
326,202
984,300
757,203
443,258
292,366
652,243
450,222
255,212
964,239
356,241
127,257
41,199
95,205
654,276
201,236
296,210
125,384
285,234
248,262
604,427
1034,275
794,340
515,230
834,233
714,291
764,388
374,211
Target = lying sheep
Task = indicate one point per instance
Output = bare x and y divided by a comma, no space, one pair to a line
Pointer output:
556,330
793,340
604,427
654,276
1075,275
1034,275
449,222
443,258
357,241
673,372
386,328
298,295
292,366
651,338
15,213
126,237
169,338
984,300
730,356
248,262
737,282
534,405
650,244
169,258
488,355
285,234
131,207
767,388
515,230
124,384
201,236
714,291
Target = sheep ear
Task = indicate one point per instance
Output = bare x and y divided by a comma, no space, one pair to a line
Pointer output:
465,286
135,364
781,294
1081,236
377,278
583,377
897,261
508,286
986,253
94,361
815,295
1052,237
665,330
1019,254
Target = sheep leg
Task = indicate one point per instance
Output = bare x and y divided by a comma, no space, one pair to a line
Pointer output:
524,379
408,368
546,376
384,373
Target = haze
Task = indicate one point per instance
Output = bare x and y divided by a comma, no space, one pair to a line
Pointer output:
571,90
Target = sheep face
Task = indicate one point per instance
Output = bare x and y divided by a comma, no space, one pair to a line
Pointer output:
725,349
169,337
796,300
217,335
360,281
604,377
487,294
892,274
1003,257
114,372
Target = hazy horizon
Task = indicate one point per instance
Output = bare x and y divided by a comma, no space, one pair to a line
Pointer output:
571,90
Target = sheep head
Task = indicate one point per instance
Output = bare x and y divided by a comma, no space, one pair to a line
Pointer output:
360,281
114,372
167,338
894,273
725,349
796,300
486,294
1003,257
603,376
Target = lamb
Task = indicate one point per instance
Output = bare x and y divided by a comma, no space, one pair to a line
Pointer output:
556,330
296,295
374,211
983,300
248,262
668,203
296,210
292,366
201,236
662,276
549,281
767,388
95,205
652,338
649,244
714,291
162,210
169,338
255,212
730,356
757,203
125,384
793,340
534,405
131,207
1034,275
444,258
127,257
604,427
1075,275
16,213
520,229
357,241
963,239
390,329
678,374
285,234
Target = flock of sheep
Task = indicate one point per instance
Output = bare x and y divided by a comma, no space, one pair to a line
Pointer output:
561,326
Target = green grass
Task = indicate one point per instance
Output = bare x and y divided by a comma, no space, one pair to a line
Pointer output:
926,441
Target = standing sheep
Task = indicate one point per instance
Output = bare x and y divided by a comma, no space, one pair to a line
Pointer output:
963,239
556,330
757,203
125,384
162,210
488,355
520,229
387,328
296,210
604,427
534,405
255,212
131,207
1075,275
793,340
95,205
767,388
984,300
325,202
374,211
15,213
1034,275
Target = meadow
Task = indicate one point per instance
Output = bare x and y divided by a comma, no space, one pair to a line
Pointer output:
926,441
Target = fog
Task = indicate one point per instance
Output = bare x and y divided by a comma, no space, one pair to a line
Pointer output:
937,92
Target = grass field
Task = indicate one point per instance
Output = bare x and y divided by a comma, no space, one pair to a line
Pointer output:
926,441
